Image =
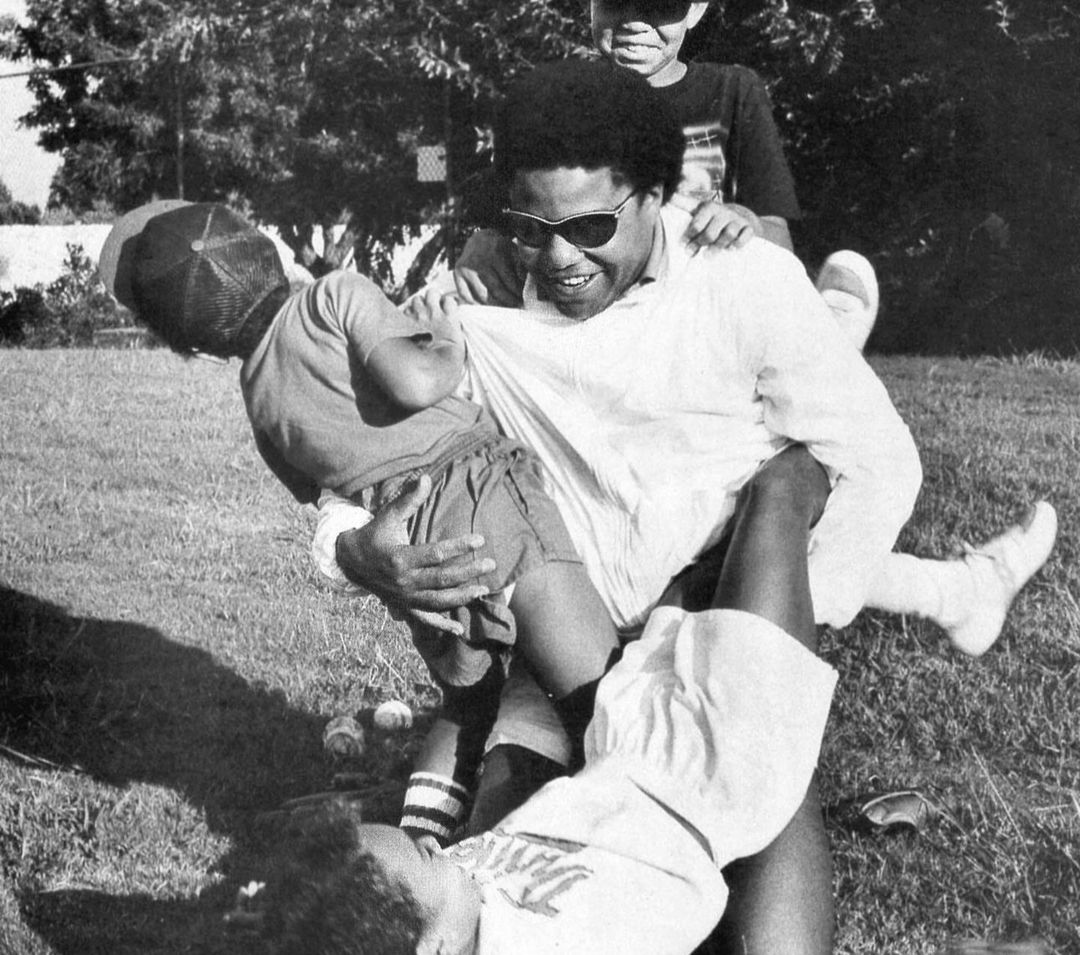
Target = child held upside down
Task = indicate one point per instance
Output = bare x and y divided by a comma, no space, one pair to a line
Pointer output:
344,391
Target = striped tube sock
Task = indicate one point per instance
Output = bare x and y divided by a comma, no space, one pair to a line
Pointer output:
434,805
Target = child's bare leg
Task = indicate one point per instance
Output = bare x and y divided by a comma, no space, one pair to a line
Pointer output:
563,628
781,899
568,641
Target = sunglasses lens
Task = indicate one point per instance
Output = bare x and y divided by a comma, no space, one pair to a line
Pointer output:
527,231
588,231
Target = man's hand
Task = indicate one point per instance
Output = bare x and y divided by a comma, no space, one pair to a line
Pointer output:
417,579
488,271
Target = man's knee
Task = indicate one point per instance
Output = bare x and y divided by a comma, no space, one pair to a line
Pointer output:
793,481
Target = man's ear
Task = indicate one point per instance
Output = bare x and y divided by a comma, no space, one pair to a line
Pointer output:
655,194
696,12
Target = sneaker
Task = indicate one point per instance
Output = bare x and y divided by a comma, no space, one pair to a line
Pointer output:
999,570
849,286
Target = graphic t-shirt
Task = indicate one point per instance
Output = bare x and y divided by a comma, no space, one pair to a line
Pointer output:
732,144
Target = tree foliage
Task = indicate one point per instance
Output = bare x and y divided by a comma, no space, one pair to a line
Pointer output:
938,138
941,139
13,212
307,115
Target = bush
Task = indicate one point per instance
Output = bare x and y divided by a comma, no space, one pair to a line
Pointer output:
65,313
19,213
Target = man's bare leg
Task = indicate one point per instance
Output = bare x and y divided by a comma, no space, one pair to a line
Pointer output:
781,900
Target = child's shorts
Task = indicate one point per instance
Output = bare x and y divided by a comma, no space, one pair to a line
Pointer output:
498,492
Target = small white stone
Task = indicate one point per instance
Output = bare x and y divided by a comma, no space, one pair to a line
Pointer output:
393,715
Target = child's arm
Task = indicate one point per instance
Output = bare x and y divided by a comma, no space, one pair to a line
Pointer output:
418,371
488,271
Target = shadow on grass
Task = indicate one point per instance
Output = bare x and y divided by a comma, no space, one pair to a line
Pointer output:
86,922
124,704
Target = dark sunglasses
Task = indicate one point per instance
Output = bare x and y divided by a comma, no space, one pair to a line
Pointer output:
586,230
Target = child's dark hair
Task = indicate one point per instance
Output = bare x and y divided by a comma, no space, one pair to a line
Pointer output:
588,114
327,896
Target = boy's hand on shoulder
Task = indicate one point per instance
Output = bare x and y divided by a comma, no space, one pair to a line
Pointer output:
727,226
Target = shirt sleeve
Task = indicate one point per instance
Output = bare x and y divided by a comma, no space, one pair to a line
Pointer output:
296,481
761,179
368,318
336,515
816,388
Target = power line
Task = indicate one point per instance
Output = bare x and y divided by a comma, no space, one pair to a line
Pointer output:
37,71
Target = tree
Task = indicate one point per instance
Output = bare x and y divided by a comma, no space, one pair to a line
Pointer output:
940,139
307,115
13,212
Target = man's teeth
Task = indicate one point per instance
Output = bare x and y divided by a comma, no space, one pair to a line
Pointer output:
575,281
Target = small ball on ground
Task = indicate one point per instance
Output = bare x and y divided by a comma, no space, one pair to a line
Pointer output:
393,716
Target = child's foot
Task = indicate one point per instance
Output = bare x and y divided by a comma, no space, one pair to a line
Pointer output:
849,286
999,570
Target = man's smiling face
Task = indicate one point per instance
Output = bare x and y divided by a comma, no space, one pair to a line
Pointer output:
583,282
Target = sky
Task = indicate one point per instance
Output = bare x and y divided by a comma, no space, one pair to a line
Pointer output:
25,168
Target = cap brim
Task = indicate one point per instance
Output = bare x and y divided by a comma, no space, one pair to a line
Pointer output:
115,264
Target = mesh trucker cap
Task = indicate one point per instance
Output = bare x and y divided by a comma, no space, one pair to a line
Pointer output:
194,272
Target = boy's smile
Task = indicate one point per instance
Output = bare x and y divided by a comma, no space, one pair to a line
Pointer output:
645,37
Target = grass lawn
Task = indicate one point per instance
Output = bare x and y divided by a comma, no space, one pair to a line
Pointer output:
168,660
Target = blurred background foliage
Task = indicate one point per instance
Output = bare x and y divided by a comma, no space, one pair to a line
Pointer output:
939,139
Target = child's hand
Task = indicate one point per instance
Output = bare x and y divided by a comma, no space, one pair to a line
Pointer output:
428,844
431,304
488,271
726,226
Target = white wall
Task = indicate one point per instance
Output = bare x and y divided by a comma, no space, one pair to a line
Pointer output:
35,254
